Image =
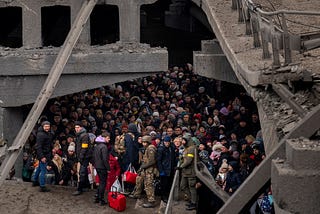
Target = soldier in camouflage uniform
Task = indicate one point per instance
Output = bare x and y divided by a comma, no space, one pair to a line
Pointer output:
188,175
147,173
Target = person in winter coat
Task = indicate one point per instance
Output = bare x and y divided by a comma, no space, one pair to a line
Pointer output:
84,155
166,164
132,147
147,172
233,180
188,179
101,164
27,168
44,142
115,169
69,165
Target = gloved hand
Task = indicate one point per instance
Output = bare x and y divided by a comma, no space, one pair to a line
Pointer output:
162,174
139,171
178,168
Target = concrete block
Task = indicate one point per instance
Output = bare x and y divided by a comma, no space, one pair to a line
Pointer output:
211,46
295,191
214,66
303,154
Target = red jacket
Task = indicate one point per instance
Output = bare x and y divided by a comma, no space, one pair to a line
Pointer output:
114,171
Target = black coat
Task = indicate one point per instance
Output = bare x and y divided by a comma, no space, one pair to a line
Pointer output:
44,145
83,146
101,156
233,181
166,159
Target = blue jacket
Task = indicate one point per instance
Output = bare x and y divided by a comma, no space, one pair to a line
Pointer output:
166,160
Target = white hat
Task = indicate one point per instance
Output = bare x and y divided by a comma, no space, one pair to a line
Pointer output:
153,133
178,93
155,114
71,148
173,105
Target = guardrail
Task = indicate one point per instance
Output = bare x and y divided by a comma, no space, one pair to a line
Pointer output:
174,192
261,24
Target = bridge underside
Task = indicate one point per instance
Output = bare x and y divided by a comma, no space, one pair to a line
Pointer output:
24,75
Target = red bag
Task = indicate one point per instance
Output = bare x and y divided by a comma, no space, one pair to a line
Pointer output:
130,175
117,201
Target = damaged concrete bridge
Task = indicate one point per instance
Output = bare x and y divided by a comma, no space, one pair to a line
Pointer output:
266,51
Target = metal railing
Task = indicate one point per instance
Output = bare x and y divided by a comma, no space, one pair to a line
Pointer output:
261,25
174,191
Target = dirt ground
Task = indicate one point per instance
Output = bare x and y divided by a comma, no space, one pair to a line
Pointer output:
18,197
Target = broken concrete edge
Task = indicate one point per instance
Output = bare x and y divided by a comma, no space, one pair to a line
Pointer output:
247,77
305,183
117,47
68,84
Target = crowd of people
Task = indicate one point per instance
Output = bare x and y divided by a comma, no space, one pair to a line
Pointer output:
155,125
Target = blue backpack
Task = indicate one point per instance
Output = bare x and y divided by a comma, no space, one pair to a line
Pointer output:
266,204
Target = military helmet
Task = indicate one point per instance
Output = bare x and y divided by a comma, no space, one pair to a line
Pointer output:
146,138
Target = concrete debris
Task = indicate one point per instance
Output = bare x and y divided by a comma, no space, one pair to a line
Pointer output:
283,116
111,48
287,128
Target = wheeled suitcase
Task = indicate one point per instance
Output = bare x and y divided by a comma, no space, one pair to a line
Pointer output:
117,200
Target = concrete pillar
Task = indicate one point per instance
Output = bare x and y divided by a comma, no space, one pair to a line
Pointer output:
296,180
11,122
129,18
31,26
85,38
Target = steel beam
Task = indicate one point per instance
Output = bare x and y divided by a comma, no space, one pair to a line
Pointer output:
48,87
262,173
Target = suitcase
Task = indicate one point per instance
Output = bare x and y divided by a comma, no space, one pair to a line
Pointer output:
117,201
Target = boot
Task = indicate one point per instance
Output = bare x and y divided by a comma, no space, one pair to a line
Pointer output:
76,193
96,199
149,205
103,202
188,204
191,207
44,189
35,183
134,196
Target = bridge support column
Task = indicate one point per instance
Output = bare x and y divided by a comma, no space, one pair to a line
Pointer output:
129,12
11,120
296,180
212,63
31,26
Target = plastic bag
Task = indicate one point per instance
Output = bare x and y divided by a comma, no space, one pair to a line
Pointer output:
130,175
116,186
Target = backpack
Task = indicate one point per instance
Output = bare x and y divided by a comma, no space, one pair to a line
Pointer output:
266,205
119,144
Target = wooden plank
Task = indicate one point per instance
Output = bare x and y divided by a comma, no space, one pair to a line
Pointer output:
48,86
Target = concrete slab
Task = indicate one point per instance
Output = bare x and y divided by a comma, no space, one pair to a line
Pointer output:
25,71
303,154
295,191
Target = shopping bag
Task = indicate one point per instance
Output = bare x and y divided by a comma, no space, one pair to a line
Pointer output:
130,175
116,186
117,200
